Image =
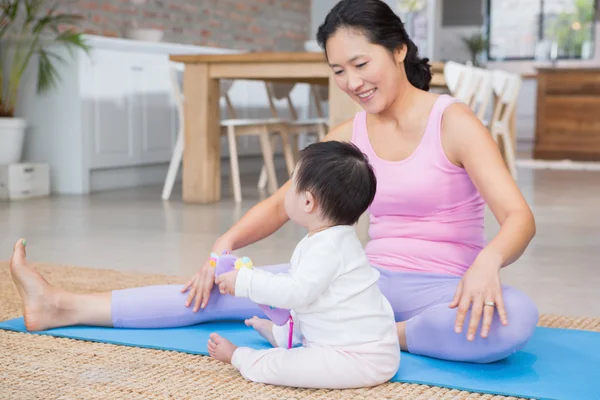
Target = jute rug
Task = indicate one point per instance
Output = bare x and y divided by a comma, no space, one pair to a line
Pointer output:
43,367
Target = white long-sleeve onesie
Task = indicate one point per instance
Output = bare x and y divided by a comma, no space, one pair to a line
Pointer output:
346,325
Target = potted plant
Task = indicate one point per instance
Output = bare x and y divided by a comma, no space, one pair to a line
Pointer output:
28,29
477,45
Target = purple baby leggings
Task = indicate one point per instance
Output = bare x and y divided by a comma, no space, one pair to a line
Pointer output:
421,299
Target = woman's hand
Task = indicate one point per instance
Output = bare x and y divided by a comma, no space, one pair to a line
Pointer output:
480,285
200,285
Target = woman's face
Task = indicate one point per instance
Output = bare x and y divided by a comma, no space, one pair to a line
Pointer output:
365,71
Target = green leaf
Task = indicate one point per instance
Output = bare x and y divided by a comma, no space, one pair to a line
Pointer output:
33,31
53,22
73,40
47,73
9,10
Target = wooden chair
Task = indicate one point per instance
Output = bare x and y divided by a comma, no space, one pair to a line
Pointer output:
483,94
297,126
462,81
232,127
453,75
506,87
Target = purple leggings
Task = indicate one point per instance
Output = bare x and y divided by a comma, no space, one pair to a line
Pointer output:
420,299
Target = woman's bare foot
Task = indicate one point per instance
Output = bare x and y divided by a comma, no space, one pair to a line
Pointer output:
220,348
39,298
264,327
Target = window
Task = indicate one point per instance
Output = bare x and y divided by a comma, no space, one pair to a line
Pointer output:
542,29
414,15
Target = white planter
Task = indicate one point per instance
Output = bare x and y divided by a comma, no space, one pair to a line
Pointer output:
147,35
12,138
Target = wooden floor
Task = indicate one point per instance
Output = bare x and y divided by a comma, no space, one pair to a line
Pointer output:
133,230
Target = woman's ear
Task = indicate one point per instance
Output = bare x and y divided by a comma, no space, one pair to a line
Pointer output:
309,202
400,54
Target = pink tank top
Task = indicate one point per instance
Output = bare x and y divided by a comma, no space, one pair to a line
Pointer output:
427,216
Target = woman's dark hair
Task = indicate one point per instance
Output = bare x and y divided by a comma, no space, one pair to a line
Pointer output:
380,25
340,178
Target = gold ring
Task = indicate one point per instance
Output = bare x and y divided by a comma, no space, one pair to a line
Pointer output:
490,304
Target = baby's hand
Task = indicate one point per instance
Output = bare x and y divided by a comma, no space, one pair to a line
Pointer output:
226,282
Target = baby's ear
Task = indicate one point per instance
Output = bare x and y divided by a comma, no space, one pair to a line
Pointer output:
310,202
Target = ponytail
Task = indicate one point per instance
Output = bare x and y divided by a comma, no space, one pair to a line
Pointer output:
381,26
418,70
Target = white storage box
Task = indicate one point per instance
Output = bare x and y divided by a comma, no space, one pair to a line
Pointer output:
22,181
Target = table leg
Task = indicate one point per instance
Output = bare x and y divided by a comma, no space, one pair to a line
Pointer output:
202,153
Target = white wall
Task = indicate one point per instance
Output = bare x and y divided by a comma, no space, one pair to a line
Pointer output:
318,12
448,44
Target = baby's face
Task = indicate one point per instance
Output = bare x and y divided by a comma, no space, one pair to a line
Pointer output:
294,204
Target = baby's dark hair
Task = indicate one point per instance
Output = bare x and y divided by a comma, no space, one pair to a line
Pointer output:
340,178
380,25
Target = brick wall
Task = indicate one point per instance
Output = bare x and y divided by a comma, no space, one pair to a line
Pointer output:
281,25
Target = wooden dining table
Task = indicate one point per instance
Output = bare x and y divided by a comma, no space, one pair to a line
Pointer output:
202,156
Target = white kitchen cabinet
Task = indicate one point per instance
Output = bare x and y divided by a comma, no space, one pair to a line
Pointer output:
111,116
112,123
132,109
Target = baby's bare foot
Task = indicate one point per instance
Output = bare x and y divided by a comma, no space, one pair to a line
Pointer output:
264,327
39,298
220,348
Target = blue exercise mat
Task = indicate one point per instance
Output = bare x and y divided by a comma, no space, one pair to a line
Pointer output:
556,364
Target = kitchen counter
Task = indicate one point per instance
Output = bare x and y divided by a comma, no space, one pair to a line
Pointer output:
568,113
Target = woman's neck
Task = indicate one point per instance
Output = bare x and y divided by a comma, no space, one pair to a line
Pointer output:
401,112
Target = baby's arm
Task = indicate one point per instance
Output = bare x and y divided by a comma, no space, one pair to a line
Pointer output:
314,272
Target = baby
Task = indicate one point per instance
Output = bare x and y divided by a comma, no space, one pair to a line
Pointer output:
344,323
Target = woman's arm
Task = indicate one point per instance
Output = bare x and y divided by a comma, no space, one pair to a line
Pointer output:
259,222
469,144
269,215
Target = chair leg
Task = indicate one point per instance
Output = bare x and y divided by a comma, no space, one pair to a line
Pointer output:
263,179
288,153
235,170
322,131
267,150
509,153
294,145
500,133
173,166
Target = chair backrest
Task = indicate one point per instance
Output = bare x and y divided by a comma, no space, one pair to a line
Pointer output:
468,85
225,87
506,87
462,81
319,94
453,72
176,77
176,71
279,91
483,92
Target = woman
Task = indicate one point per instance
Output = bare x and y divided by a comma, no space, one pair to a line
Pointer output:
436,167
